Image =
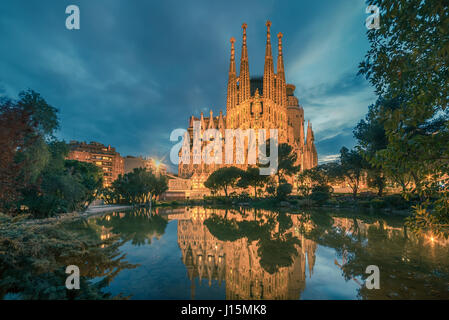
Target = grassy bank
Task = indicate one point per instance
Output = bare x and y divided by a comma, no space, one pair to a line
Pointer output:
34,257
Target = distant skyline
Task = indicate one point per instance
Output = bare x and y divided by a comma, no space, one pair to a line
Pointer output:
136,71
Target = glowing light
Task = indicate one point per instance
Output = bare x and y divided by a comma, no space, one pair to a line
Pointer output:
432,239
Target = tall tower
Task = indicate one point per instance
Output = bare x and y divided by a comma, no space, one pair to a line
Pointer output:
310,154
281,91
232,81
295,116
268,71
244,84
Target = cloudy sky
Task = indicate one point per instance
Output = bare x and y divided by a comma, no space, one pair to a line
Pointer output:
136,70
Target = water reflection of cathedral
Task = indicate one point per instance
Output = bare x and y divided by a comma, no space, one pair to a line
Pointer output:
238,263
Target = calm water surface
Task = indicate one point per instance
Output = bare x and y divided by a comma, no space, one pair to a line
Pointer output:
199,253
206,253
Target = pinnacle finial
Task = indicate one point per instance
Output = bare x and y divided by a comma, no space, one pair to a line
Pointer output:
244,26
232,48
280,43
268,24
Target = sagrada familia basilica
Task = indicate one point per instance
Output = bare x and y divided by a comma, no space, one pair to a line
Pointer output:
266,102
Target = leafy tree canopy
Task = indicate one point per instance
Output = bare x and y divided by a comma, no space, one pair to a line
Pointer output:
223,179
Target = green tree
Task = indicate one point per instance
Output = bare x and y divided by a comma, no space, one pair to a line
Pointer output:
43,181
43,116
63,185
322,175
89,176
44,119
138,187
160,186
283,191
371,138
352,166
287,160
252,177
408,65
223,179
270,187
321,193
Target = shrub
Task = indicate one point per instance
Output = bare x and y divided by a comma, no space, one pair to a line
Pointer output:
321,194
364,204
396,201
333,202
244,196
319,197
378,203
283,190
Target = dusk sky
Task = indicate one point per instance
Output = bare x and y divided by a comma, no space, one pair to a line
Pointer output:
136,70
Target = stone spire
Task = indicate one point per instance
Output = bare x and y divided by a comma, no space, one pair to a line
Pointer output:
211,120
268,72
244,86
310,152
221,123
310,137
232,82
301,128
281,89
203,126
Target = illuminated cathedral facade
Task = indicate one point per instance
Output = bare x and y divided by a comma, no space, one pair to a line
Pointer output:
266,102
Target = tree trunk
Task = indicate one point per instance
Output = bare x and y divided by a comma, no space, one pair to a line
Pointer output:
354,191
404,187
381,190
